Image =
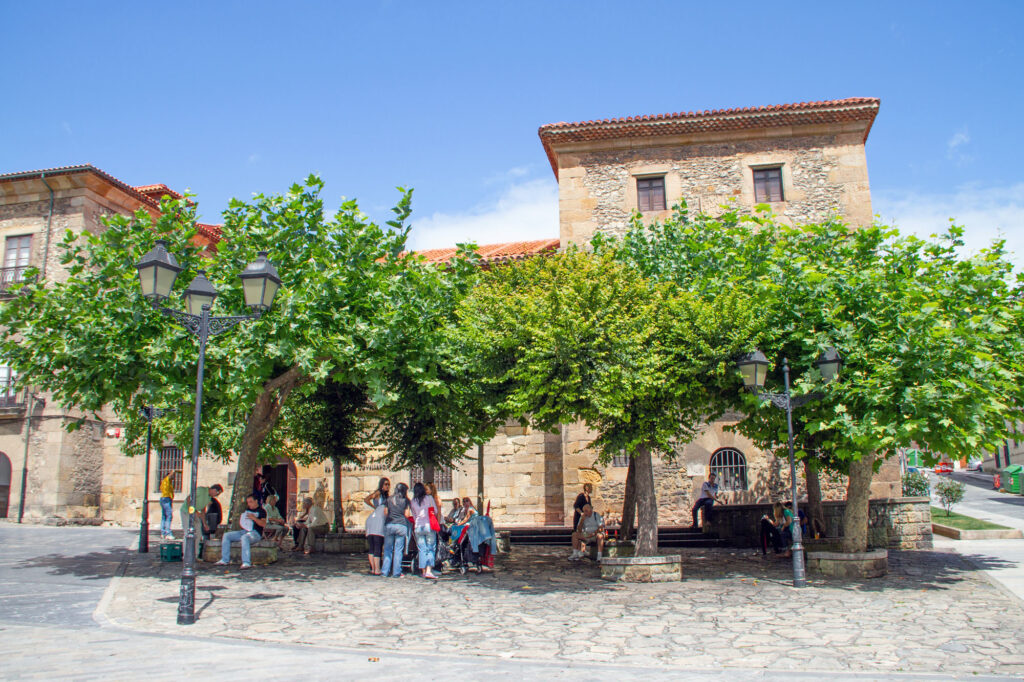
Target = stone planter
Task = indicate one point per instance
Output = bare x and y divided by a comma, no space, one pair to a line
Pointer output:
643,569
993,534
871,564
341,543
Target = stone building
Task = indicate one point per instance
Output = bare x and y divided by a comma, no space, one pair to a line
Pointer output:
807,161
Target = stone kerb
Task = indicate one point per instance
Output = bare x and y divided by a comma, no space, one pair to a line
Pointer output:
871,564
990,534
643,569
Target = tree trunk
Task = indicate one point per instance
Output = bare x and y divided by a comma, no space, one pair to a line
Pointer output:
858,492
814,510
339,511
262,418
646,505
428,474
629,503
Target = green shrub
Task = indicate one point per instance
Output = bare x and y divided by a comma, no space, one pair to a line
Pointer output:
949,492
915,484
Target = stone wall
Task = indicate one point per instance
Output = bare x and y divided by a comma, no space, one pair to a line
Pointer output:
895,523
824,174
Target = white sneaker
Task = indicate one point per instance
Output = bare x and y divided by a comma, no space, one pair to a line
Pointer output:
246,566
598,557
222,563
575,556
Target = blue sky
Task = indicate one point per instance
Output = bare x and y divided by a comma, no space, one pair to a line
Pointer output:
229,99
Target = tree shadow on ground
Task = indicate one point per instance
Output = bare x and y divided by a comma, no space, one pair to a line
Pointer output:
544,570
96,565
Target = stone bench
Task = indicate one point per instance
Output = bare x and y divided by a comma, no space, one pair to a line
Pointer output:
853,565
263,552
612,548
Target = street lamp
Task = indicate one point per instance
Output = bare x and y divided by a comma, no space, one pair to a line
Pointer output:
754,369
157,272
149,413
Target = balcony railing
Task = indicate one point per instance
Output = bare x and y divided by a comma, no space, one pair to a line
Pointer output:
9,276
9,395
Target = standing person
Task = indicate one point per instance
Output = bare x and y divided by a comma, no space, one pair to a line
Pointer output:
212,514
378,502
577,507
708,497
252,521
166,511
257,488
426,538
396,530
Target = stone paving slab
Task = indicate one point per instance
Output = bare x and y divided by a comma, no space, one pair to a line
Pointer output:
933,614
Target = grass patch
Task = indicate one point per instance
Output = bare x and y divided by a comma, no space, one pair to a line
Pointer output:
962,522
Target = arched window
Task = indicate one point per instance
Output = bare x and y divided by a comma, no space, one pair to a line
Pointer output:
730,469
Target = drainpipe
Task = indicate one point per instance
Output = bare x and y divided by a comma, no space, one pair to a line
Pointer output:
30,404
49,221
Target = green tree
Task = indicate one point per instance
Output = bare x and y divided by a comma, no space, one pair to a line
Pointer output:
950,493
930,340
93,340
577,336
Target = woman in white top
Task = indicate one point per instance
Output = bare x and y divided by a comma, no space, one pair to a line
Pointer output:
377,501
426,538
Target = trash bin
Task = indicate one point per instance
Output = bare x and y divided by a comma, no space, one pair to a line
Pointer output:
1011,478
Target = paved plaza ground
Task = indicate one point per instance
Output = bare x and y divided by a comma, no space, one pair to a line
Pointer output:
935,613
77,603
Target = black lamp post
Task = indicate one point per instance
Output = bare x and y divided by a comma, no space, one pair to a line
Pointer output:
754,368
157,272
149,413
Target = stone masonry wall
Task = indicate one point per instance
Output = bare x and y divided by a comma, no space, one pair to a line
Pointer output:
824,175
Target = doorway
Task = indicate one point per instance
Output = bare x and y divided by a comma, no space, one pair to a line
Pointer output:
5,484
282,478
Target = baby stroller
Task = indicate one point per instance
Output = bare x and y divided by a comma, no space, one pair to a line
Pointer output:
459,554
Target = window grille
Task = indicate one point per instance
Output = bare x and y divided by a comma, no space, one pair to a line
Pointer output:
442,477
169,462
620,461
768,184
730,469
650,194
9,397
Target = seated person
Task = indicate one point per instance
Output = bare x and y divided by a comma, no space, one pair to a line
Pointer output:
313,524
252,521
276,528
789,527
455,513
770,531
590,531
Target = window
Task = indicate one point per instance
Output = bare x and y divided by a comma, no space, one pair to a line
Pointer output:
442,477
620,461
169,462
768,184
730,469
8,396
650,194
16,254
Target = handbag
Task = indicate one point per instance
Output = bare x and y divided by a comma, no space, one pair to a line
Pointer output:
435,525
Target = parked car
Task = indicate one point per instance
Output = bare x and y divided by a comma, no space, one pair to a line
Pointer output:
974,465
944,468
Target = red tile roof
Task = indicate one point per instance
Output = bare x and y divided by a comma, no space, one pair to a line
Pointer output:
496,253
147,195
690,122
157,191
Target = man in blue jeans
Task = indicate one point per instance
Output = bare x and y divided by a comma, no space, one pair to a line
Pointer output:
253,519
708,497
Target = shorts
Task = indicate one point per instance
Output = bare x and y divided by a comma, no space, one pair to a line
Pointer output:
375,545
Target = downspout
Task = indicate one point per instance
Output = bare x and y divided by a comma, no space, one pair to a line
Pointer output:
30,404
49,221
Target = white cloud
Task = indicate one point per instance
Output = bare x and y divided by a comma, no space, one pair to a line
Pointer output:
985,213
956,146
525,210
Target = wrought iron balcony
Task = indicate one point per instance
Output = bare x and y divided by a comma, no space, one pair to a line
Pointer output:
10,397
9,276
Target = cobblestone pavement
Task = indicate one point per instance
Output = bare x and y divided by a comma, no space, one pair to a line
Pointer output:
934,614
